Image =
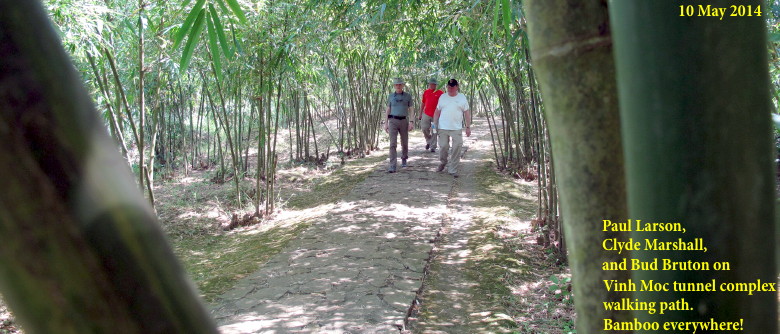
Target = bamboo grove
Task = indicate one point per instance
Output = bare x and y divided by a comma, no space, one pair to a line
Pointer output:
241,89
207,84
211,84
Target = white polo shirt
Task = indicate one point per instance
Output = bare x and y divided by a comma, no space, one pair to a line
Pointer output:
452,108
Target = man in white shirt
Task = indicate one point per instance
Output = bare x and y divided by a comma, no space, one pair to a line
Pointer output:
452,112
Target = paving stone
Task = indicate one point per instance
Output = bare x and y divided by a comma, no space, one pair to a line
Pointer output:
356,269
239,292
397,299
321,285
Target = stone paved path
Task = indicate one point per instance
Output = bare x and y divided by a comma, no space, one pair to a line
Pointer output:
358,268
450,302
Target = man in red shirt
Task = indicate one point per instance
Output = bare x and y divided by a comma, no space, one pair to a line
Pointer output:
430,99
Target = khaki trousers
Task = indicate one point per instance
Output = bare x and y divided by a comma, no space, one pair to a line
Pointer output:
457,144
394,128
430,137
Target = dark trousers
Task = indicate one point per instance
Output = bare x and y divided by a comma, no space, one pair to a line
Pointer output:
394,128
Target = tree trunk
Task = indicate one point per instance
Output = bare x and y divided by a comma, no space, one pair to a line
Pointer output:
149,169
82,251
695,104
572,55
225,121
121,92
141,95
100,78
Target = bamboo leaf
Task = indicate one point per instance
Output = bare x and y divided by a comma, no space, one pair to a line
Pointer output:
237,10
239,49
496,13
220,32
382,11
185,27
223,7
507,15
197,27
214,48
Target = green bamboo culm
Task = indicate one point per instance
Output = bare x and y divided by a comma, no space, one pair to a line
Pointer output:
571,50
82,251
695,112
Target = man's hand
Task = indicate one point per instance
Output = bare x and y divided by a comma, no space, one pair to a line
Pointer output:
386,127
411,126
468,132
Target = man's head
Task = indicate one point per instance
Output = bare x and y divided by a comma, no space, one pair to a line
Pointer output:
432,83
452,87
399,85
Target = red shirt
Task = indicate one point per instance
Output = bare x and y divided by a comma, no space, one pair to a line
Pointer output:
430,100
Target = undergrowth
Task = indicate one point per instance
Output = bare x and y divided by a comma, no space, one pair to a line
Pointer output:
215,259
511,269
336,185
215,262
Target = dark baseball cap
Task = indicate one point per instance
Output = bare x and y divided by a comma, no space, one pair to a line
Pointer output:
452,82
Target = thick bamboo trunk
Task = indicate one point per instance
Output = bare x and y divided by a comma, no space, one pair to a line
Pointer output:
82,251
695,108
571,49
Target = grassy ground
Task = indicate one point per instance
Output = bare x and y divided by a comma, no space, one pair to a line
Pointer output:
511,269
193,209
336,185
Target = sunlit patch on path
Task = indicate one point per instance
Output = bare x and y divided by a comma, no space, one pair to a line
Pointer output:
357,269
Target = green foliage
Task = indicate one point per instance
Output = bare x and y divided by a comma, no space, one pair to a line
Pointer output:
187,25
220,30
215,56
237,10
197,27
561,287
193,25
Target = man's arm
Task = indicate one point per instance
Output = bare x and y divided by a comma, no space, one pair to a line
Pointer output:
467,120
387,115
422,107
411,120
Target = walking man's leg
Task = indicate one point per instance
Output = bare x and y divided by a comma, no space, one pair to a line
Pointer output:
444,144
457,145
425,125
393,131
431,140
403,129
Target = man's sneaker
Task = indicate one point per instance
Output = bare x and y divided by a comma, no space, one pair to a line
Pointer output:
427,146
391,169
441,168
433,150
455,175
403,163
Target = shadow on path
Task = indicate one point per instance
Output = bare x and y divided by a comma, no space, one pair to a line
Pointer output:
357,269
452,301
